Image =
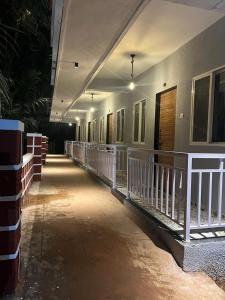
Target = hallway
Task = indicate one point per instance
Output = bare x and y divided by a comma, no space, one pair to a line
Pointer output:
79,242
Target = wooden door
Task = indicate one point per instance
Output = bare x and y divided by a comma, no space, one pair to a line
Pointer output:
79,133
89,132
109,139
166,123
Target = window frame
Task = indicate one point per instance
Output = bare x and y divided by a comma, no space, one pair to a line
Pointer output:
139,122
120,131
212,73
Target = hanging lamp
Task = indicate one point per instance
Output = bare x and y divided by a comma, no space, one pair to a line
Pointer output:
92,109
132,84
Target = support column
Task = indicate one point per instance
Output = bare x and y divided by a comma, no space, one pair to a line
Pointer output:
10,202
34,145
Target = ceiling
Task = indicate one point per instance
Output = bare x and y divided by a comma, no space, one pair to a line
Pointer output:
102,36
205,4
89,32
162,28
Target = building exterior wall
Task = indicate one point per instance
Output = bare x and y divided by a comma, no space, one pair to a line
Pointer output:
202,54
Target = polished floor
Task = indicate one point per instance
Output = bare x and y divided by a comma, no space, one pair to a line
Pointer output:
80,243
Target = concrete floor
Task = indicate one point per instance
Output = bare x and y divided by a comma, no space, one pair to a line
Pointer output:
80,243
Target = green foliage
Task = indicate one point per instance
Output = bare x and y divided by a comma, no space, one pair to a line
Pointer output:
25,61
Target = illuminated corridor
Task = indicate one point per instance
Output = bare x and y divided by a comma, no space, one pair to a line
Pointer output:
79,242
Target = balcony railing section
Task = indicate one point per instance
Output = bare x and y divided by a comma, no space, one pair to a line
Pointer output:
79,151
184,190
27,173
106,161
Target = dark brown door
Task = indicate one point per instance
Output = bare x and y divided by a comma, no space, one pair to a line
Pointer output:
89,132
109,139
79,133
166,115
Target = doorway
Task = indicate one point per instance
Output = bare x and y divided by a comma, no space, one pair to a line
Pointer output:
89,132
109,137
165,123
79,133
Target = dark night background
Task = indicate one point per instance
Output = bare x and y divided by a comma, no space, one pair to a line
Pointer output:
25,69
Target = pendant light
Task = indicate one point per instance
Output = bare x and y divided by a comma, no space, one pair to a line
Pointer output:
132,84
77,118
92,109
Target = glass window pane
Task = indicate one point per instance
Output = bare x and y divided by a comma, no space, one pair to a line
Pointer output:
201,106
136,122
218,131
122,124
118,126
143,121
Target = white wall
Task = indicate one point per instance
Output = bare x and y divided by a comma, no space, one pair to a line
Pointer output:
203,53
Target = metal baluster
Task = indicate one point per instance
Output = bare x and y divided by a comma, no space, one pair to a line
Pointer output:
161,188
173,194
210,199
157,187
167,190
220,192
199,198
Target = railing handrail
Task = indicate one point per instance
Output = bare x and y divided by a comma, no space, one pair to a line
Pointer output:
27,158
162,152
193,155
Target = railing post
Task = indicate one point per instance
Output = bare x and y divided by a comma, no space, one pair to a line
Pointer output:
65,147
34,145
10,202
44,149
114,166
188,184
128,175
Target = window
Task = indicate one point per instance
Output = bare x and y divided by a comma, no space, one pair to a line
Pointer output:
101,130
139,121
218,129
208,117
201,106
120,125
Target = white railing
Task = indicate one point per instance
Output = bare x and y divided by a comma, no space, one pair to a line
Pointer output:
27,173
186,187
106,164
68,148
79,151
104,160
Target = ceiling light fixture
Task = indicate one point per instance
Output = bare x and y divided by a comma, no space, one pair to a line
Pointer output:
77,118
92,109
132,84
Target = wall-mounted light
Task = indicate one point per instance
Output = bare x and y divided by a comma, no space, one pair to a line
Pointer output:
132,84
70,124
92,109
76,65
77,118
